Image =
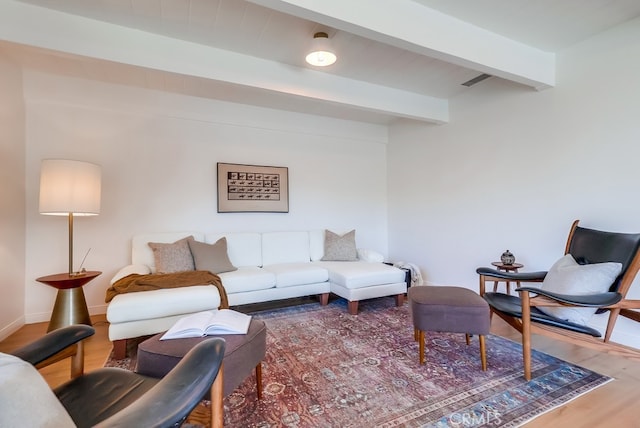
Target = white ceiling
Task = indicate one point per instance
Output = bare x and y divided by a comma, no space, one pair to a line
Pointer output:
396,58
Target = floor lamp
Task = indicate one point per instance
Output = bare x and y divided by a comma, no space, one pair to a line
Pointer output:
69,188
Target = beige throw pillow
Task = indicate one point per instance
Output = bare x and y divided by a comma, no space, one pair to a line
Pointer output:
175,257
211,257
340,248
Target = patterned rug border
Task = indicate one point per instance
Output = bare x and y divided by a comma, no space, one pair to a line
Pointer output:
507,390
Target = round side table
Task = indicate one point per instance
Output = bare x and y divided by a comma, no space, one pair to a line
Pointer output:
71,306
513,267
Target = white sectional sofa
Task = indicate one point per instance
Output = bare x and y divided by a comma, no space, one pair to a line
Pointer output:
270,266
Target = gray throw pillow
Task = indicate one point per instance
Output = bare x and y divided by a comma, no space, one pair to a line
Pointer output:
340,248
175,257
211,257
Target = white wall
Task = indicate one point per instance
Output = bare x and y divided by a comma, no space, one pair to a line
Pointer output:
158,153
515,167
12,207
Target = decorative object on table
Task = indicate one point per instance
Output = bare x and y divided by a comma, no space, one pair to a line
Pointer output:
209,323
507,258
252,188
69,188
344,370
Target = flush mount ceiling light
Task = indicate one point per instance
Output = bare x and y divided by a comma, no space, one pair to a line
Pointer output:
321,53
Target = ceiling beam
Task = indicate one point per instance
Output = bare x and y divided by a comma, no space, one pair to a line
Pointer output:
49,29
409,25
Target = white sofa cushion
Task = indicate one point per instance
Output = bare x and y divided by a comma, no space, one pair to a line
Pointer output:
161,303
361,274
25,398
292,274
285,247
316,244
142,254
247,278
244,249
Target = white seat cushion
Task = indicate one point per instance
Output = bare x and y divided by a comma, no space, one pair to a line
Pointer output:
361,274
248,278
290,274
162,303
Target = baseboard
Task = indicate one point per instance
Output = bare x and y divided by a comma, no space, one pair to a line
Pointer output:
11,328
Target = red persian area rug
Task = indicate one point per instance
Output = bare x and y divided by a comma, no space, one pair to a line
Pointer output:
326,368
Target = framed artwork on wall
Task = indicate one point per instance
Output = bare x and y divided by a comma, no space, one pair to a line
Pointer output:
252,188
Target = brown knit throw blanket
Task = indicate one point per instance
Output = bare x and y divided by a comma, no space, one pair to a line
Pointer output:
136,282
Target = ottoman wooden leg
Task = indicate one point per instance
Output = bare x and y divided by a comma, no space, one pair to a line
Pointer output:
217,408
421,347
468,337
483,353
416,334
259,380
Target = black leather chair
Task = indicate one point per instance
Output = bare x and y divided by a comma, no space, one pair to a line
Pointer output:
112,397
586,246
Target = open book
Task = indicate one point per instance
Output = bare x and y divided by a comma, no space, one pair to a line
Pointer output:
223,321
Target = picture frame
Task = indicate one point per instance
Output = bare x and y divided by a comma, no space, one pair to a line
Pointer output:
252,188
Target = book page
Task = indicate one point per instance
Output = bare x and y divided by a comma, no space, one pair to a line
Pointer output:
223,321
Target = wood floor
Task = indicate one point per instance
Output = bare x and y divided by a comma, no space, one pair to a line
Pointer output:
613,404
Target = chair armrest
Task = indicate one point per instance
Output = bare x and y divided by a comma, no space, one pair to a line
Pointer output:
371,256
130,269
53,343
171,400
599,300
512,276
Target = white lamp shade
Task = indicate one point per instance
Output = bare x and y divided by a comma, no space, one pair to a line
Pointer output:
68,186
321,53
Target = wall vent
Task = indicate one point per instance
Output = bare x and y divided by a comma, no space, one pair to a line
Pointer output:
477,79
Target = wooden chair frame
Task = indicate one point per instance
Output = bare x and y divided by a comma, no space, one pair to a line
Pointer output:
529,298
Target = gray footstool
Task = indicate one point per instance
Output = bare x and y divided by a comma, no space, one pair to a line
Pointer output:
243,353
449,309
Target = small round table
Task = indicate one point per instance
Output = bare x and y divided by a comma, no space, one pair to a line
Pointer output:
71,306
513,267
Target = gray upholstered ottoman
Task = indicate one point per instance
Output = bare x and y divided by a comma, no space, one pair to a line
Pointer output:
449,309
243,352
